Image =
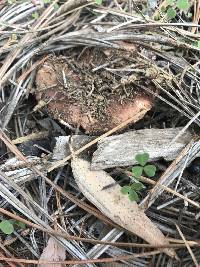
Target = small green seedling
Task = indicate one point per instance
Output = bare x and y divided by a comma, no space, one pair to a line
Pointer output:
172,6
35,15
10,2
181,5
142,160
135,187
7,226
98,2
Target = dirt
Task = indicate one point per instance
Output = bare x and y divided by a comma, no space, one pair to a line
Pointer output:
95,100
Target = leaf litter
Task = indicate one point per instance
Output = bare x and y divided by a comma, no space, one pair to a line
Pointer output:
96,54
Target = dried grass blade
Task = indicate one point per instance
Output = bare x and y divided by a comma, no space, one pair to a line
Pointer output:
187,246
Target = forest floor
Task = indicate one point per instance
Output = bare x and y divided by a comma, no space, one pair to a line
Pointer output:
99,138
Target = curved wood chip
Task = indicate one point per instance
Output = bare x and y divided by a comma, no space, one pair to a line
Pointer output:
114,205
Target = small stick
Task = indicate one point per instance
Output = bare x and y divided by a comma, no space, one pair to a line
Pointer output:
79,262
32,136
34,66
187,246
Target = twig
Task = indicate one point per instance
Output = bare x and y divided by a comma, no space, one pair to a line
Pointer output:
69,262
33,136
187,245
185,127
34,66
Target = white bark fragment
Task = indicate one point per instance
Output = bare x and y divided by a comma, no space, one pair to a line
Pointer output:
63,144
19,171
120,150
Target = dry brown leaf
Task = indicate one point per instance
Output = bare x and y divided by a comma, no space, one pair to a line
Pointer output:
114,205
53,252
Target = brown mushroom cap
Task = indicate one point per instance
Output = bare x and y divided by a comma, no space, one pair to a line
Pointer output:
97,101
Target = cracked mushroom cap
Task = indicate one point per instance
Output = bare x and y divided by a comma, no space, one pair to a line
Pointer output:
96,101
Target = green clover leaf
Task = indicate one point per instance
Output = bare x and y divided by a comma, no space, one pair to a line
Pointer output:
21,225
150,170
183,5
134,189
56,6
137,186
142,158
137,171
98,2
133,196
125,189
171,13
6,227
163,9
35,15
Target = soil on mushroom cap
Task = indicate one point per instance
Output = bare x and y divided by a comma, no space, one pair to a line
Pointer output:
95,100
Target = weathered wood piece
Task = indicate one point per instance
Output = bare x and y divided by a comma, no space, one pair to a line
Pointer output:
20,171
115,205
120,150
65,145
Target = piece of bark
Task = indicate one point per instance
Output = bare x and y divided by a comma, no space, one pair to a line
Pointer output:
64,145
114,204
61,149
120,150
19,171
53,252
